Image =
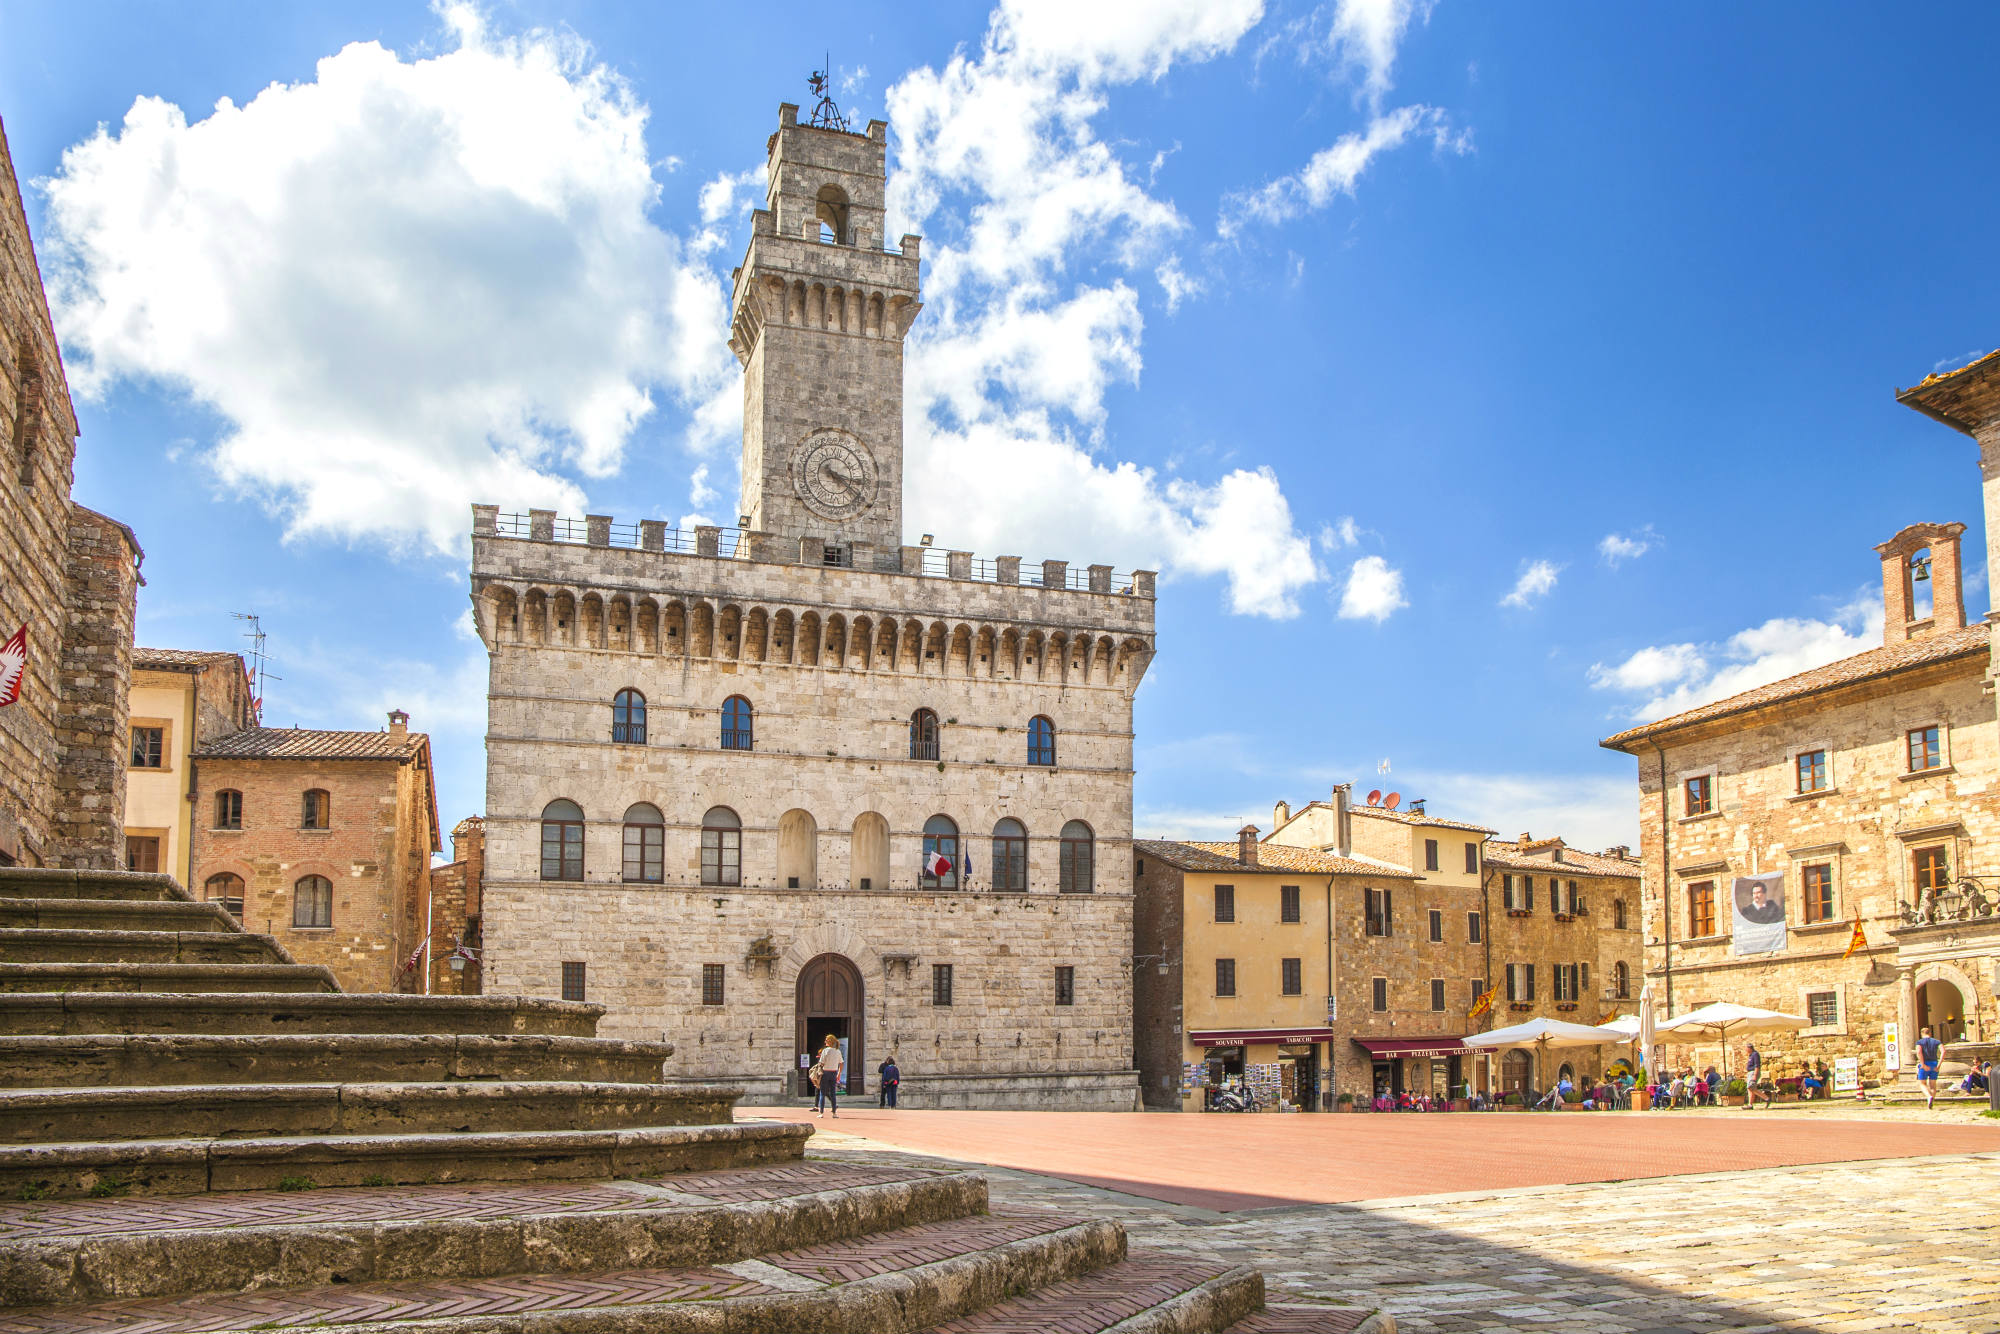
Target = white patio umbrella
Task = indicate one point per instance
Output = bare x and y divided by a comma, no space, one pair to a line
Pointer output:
1649,1043
1542,1034
1725,1019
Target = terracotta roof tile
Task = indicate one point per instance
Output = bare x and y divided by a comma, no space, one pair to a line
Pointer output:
1875,663
1273,857
1399,816
1509,857
301,743
170,659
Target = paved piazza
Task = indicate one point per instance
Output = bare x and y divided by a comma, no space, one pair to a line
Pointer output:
1840,1221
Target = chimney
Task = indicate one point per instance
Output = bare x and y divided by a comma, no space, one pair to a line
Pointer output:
1343,818
1246,845
399,723
1923,553
1417,806
1280,813
1620,851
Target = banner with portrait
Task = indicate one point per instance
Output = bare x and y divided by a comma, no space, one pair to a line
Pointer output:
1757,905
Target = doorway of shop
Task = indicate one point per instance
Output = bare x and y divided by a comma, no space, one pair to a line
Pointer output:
1298,1076
830,999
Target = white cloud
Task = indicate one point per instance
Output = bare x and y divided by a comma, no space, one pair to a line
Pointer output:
1617,548
1176,285
1957,360
1699,674
1538,580
1343,532
1365,34
1118,41
1374,591
1336,169
404,285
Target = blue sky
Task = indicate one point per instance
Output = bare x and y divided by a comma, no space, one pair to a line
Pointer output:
1481,378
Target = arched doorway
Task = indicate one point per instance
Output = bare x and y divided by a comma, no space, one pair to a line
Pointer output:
1516,1071
1941,1008
831,1000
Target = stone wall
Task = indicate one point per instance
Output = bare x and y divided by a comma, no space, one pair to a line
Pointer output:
1159,979
103,582
455,911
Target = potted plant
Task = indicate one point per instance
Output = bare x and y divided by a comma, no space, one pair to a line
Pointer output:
1344,1103
1732,1093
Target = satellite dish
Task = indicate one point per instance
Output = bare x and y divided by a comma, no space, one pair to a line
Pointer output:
1392,801
1374,796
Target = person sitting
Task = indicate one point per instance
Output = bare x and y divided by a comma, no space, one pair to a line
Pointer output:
1712,1085
1810,1085
1975,1079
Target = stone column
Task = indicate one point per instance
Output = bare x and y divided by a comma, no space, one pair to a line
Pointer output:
652,535
597,528
542,525
1906,1015
1009,568
707,540
958,564
1055,574
485,520
1100,578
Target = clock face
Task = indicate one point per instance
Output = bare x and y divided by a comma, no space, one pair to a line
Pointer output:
834,475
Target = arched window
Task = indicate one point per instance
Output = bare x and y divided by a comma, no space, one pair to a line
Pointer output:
1076,858
316,811
628,718
1010,856
229,809
923,735
562,841
868,857
312,902
1041,741
1621,978
830,207
940,841
226,892
736,724
645,844
721,847
1618,913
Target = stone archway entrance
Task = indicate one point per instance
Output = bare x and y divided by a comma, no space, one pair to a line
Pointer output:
831,1000
1941,1008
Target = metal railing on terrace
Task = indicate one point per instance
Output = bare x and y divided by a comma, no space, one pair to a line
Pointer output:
743,544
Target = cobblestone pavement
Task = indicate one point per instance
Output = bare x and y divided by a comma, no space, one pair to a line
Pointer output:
1889,1244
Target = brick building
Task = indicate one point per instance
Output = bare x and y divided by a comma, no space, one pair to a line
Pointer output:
326,838
456,888
71,578
1867,791
179,700
748,788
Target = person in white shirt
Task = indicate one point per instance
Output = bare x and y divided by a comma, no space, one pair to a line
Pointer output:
831,1060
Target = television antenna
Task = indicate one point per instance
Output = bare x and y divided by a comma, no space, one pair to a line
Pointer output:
1383,767
825,114
260,669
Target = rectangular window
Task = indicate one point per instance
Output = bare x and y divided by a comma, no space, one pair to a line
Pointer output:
1225,903
316,810
1507,893
1065,984
940,984
1291,977
1583,980
1430,854
1701,908
1924,750
1575,898
1437,924
1437,993
711,984
1288,903
1698,795
1563,992
148,744
1555,895
1812,771
142,853
645,854
572,981
1379,997
229,809
1225,977
1472,928
1472,859
1478,990
562,850
1528,893
1513,981
1377,905
1933,871
1823,1009
1816,885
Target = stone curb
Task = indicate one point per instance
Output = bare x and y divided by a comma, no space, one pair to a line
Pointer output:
155,979
39,944
260,1256
254,1012
1209,1307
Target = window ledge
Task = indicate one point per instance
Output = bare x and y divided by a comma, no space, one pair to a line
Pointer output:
1830,1031
1926,773
1710,939
1694,819
317,930
1520,912
237,830
315,831
1819,792
1828,927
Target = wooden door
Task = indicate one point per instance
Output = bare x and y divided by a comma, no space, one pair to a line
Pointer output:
830,990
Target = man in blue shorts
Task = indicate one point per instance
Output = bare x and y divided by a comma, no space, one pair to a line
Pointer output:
1930,1052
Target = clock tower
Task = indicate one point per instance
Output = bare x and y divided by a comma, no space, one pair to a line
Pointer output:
818,317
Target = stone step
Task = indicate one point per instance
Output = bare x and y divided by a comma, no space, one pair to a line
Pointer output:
1315,1318
192,1166
98,1250
166,977
37,882
114,915
261,1111
1152,1293
46,945
892,1282
249,1012
107,1059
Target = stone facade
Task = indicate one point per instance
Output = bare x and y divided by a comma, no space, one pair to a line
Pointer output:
820,799
456,893
1871,787
189,698
72,579
380,829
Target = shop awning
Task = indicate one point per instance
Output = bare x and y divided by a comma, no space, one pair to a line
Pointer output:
1389,1049
1238,1037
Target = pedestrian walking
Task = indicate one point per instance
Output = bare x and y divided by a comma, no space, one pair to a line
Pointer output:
1930,1052
888,1077
1753,1070
828,1067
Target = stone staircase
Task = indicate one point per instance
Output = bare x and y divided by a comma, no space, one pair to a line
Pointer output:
197,1133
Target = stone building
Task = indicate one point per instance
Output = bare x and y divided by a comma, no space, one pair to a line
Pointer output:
325,838
456,889
179,699
752,787
71,578
1866,791
1237,951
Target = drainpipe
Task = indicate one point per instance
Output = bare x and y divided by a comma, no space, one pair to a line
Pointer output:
1331,1090
1666,897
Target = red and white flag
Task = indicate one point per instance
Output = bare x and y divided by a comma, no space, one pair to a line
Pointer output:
13,666
936,864
416,959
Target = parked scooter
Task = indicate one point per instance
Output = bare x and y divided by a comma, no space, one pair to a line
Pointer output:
1233,1100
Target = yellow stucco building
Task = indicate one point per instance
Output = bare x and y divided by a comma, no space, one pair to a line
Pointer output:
179,698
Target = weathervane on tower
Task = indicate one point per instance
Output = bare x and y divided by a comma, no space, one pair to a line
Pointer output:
825,115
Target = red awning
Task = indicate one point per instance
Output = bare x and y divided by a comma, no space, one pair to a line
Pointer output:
1393,1048
1237,1037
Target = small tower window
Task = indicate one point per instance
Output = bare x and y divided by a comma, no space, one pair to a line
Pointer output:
831,209
923,735
317,810
737,721
628,718
1041,741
